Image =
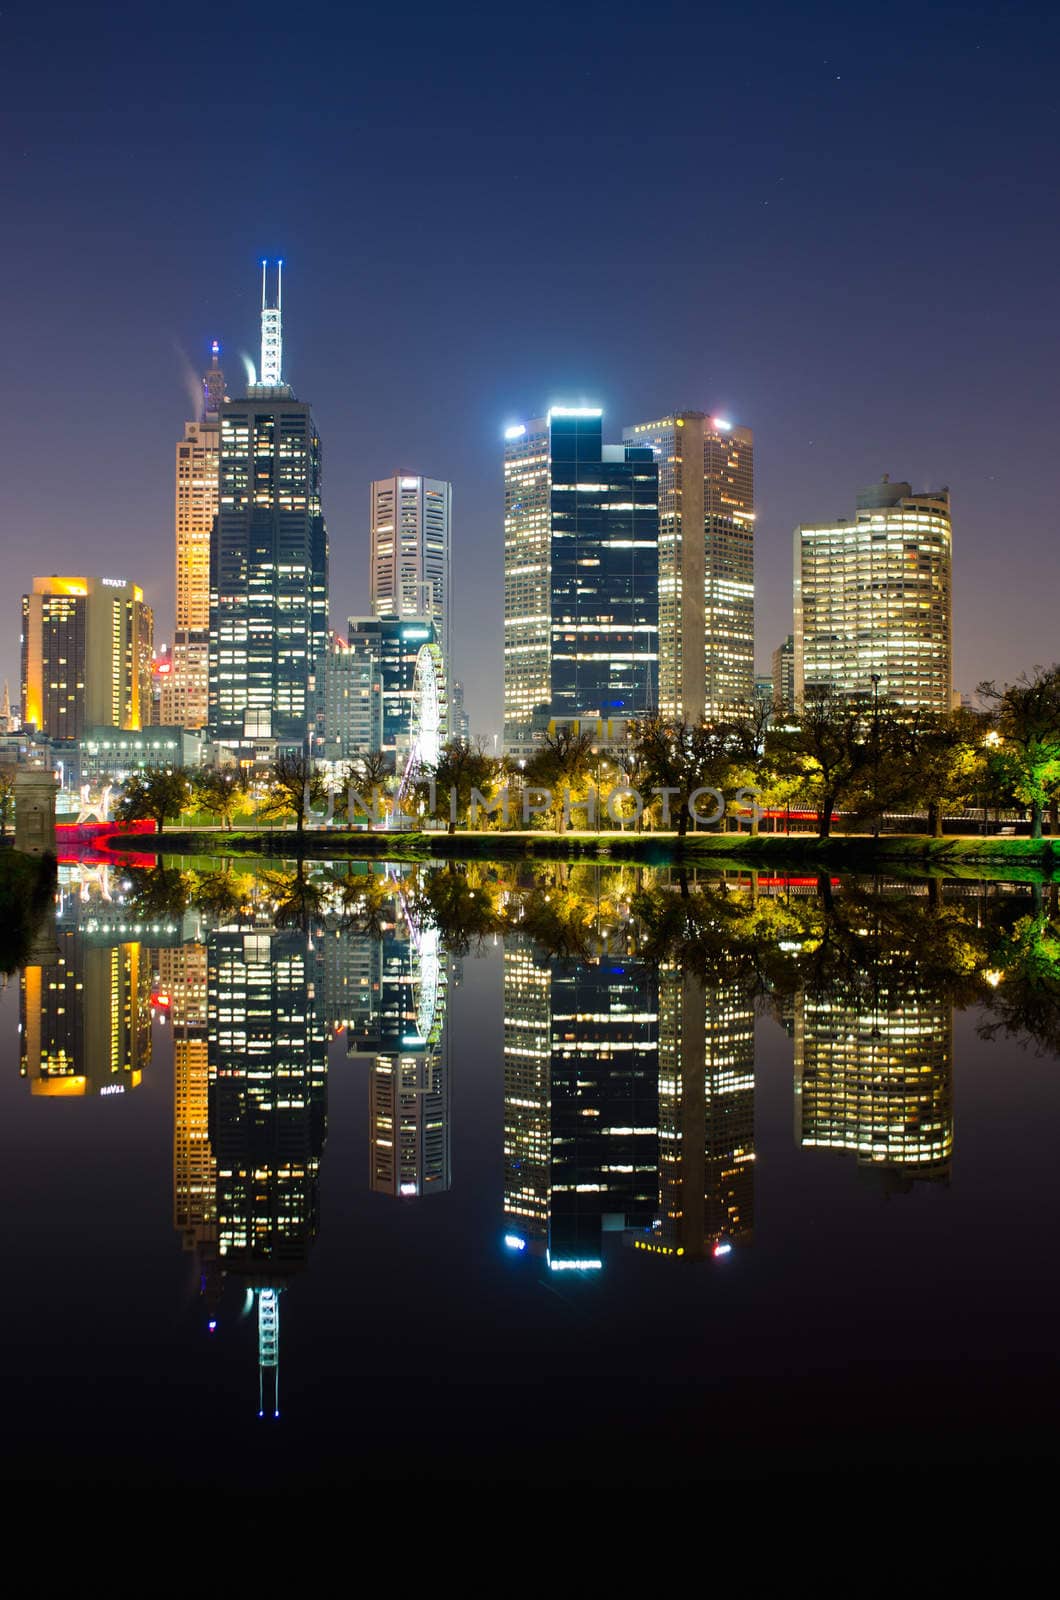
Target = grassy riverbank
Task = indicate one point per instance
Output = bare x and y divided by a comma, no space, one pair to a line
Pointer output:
854,852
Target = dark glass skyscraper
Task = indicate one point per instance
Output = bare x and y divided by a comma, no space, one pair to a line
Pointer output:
268,562
581,604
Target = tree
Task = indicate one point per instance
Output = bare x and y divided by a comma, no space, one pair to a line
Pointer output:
750,724
828,746
562,763
368,776
1027,720
933,759
218,793
683,757
294,784
156,793
460,768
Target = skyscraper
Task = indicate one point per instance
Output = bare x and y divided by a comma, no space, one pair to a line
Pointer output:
392,646
873,599
581,578
268,559
185,691
411,551
706,584
784,674
86,656
459,719
348,701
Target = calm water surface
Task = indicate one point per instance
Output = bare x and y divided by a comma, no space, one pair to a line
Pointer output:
384,1175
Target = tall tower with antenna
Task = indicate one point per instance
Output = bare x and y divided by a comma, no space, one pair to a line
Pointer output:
268,559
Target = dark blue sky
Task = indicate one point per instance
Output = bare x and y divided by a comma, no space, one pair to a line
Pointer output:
835,224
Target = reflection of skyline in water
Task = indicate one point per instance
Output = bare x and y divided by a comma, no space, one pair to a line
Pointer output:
627,1080
399,1030
85,998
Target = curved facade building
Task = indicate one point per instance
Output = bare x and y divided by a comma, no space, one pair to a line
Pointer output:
873,599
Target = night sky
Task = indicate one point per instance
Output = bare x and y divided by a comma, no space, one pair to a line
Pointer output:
834,224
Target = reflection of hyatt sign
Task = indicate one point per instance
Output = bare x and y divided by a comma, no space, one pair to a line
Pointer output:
113,583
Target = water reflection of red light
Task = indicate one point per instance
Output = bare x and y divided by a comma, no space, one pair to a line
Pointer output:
90,843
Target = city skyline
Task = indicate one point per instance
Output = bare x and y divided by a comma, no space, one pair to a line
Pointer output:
806,319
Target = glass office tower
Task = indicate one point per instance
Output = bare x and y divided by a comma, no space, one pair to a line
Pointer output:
391,646
581,578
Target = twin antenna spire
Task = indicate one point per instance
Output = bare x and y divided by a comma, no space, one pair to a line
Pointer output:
271,329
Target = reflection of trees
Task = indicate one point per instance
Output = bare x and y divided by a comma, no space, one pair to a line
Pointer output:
365,903
707,931
221,895
159,892
296,898
462,904
1025,993
27,888
872,945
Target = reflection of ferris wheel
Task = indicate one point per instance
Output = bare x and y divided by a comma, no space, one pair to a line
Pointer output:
426,982
428,723
427,961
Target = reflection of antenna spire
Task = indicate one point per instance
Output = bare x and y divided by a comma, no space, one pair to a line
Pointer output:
269,1349
271,329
